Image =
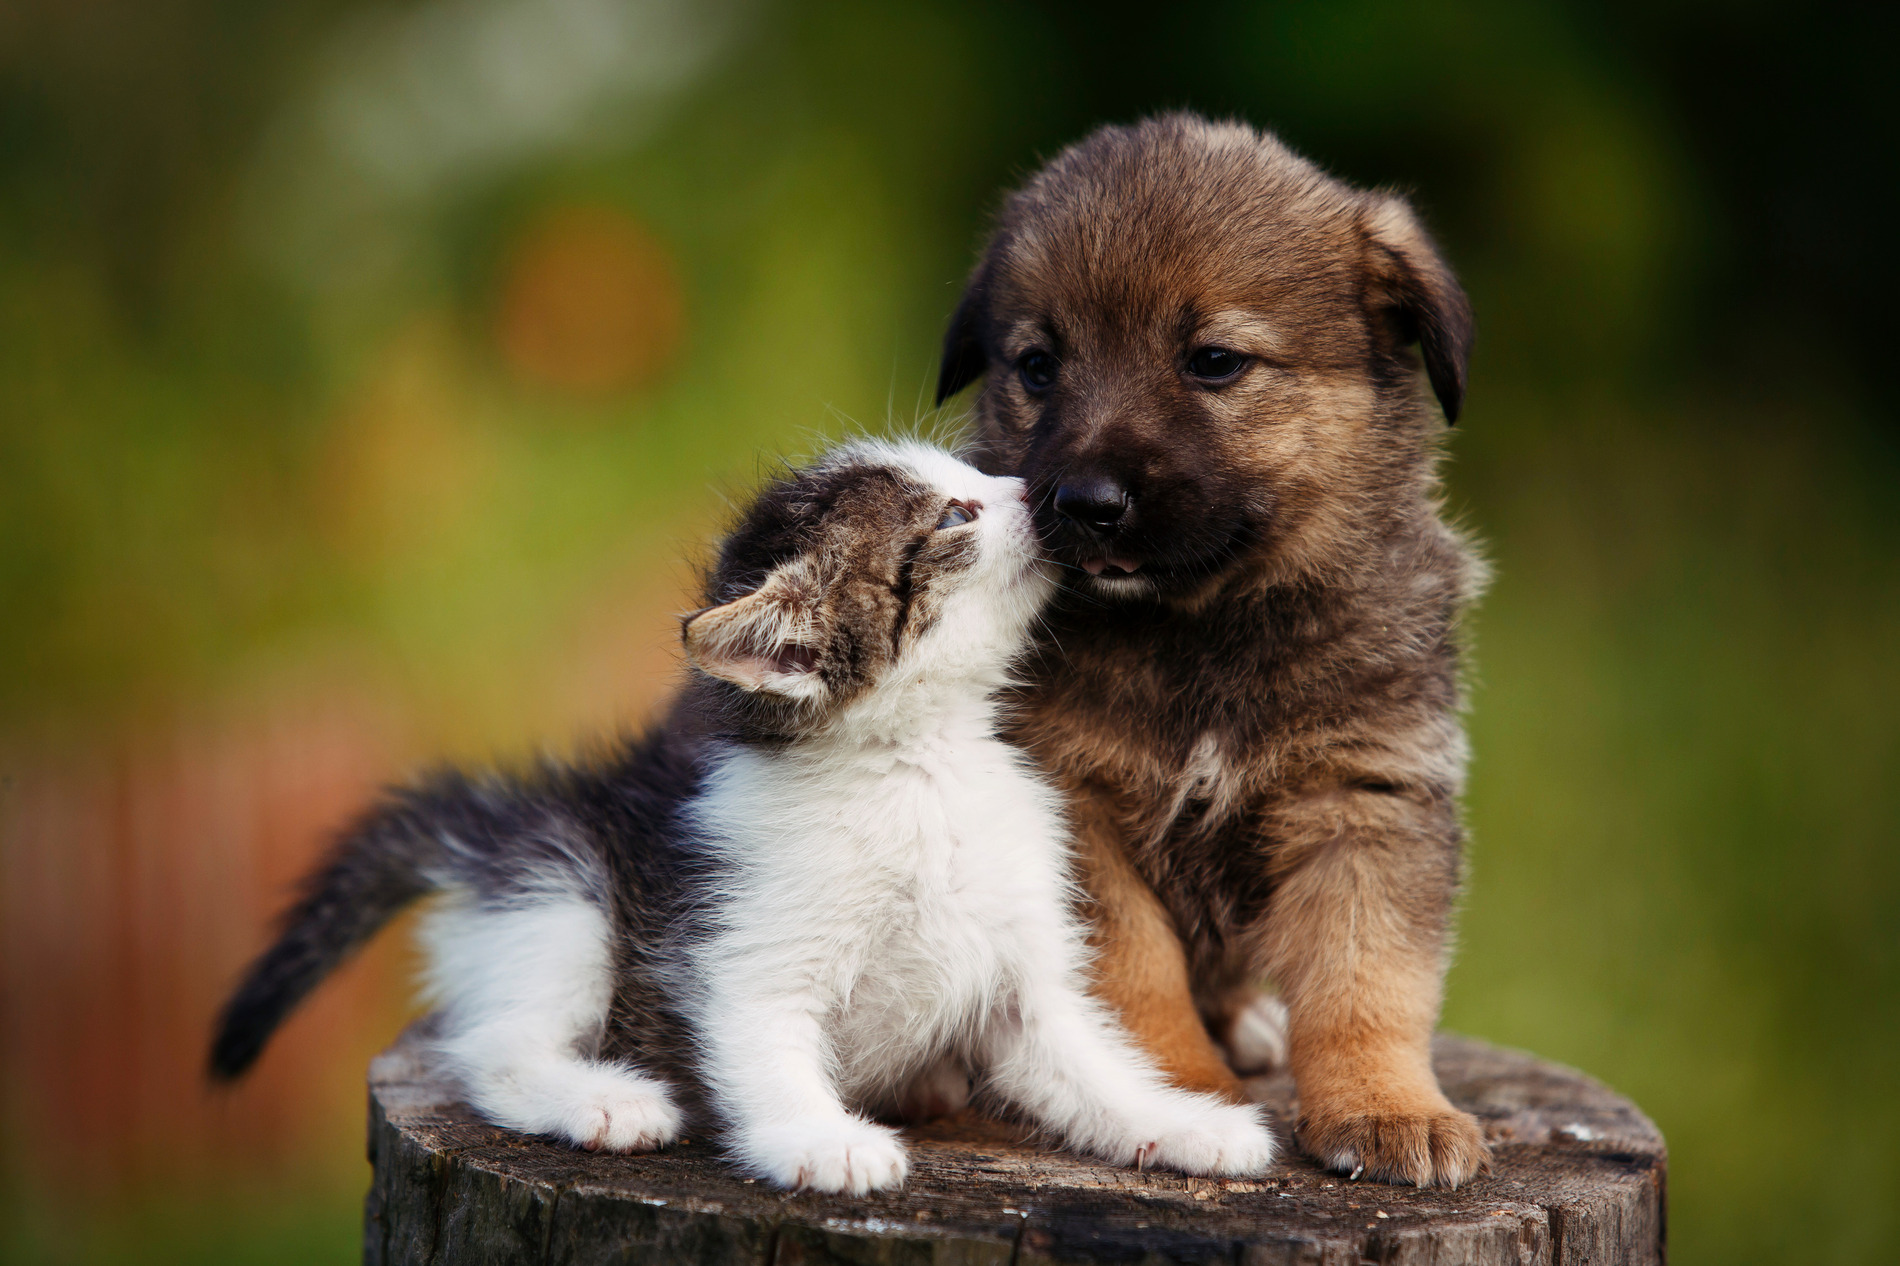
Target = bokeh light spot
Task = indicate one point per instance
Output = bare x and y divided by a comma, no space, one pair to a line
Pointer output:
589,303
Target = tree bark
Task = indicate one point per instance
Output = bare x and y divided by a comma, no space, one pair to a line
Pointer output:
1577,1177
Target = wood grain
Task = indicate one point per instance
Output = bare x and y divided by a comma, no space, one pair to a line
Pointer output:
1578,1177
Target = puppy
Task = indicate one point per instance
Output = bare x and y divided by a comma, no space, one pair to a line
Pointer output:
1196,348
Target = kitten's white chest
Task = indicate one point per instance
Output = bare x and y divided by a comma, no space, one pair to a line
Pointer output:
901,890
957,896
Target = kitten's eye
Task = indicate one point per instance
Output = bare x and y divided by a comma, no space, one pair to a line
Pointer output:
959,513
1038,370
1215,364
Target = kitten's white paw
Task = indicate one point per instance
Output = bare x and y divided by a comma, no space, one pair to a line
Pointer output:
638,1117
1256,1036
599,1107
829,1154
1212,1140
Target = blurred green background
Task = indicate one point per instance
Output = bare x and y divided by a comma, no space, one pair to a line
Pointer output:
366,370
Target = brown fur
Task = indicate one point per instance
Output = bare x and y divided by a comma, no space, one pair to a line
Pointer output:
1259,725
833,571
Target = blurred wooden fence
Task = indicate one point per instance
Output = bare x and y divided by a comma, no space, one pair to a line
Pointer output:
137,877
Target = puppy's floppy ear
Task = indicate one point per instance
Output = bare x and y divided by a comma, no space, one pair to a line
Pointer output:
762,642
963,357
1412,278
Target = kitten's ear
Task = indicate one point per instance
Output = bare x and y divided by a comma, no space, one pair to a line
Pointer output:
762,642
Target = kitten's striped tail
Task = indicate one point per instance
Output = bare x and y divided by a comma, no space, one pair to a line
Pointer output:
378,866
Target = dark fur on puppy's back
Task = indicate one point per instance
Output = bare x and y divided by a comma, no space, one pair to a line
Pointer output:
1260,732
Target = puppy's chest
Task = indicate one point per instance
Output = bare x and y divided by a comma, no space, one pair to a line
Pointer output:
1168,732
1166,769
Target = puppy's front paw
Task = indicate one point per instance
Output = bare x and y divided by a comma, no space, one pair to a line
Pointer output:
1220,1140
1437,1146
829,1154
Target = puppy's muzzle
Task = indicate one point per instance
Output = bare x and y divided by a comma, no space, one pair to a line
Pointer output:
1097,509
1097,504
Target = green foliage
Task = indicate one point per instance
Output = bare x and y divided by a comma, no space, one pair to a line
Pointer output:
236,1227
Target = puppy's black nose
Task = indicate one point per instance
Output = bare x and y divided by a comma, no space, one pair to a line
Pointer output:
1096,502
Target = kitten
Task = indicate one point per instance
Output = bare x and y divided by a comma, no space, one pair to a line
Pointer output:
821,881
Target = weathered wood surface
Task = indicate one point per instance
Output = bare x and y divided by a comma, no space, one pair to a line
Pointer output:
1577,1178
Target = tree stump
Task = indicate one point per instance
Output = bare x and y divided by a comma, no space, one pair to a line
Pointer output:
1577,1177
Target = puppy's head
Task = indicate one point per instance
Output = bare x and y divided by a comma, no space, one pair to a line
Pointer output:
1197,349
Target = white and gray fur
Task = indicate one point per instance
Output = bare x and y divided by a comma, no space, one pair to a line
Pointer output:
822,883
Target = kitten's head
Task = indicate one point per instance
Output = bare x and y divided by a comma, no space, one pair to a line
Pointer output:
879,570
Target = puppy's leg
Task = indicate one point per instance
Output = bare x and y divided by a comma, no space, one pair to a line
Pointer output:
766,1062
1058,1054
1355,937
1141,969
523,989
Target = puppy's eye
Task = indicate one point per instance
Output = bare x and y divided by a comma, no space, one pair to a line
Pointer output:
959,513
1038,370
1215,364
